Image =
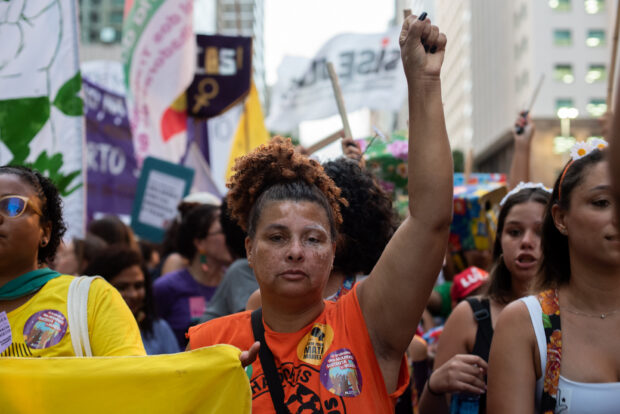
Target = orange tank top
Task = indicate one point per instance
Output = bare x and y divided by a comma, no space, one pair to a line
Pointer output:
329,366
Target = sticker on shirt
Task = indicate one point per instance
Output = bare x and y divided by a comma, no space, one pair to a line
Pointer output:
340,374
6,337
45,329
313,345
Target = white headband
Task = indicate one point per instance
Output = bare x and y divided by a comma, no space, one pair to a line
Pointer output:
523,186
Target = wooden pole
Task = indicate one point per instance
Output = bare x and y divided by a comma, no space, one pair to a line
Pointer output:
339,100
614,53
469,163
325,142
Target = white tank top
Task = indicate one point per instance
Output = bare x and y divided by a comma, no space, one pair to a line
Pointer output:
573,397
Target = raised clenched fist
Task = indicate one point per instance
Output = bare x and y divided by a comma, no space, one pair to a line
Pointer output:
422,48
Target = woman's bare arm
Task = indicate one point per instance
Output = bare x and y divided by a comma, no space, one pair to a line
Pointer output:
394,296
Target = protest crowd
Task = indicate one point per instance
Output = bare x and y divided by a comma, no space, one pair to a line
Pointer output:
336,302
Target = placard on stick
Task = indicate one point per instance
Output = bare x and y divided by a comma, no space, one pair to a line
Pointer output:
161,187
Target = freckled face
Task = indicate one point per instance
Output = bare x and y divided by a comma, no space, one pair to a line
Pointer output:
292,251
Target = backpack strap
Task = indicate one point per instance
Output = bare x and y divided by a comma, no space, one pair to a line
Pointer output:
77,314
484,334
549,302
268,364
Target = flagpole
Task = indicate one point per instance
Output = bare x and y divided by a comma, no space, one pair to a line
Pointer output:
339,100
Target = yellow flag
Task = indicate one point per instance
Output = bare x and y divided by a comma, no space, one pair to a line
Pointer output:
207,380
251,131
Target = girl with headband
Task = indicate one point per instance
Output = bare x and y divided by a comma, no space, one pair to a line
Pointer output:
344,356
557,351
463,349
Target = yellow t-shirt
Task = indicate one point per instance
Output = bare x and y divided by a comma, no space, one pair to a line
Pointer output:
40,327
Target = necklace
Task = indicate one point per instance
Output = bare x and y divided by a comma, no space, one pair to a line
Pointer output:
602,315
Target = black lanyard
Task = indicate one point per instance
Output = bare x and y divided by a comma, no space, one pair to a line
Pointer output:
267,362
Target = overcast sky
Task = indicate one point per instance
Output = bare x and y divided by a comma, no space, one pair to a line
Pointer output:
301,27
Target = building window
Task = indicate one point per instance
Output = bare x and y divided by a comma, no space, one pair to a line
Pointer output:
596,73
116,17
562,37
560,5
94,17
564,103
594,6
596,38
596,107
564,73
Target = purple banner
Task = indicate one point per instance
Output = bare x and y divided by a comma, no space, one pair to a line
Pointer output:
112,172
223,75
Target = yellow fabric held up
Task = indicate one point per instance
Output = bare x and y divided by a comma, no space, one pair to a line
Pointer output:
251,131
206,380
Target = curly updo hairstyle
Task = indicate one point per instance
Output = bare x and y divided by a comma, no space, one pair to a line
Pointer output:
51,206
275,172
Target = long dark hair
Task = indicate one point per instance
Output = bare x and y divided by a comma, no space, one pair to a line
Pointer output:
556,264
110,262
195,225
500,279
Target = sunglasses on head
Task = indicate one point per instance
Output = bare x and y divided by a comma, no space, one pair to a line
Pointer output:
13,206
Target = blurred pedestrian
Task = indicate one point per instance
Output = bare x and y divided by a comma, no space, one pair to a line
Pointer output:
123,267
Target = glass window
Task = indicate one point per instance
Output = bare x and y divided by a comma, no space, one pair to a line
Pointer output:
116,17
562,37
564,73
563,103
94,17
596,38
596,73
563,144
560,5
594,6
596,107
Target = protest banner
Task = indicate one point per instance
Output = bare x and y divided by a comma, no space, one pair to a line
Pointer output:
223,75
369,69
206,380
112,171
159,54
41,111
161,187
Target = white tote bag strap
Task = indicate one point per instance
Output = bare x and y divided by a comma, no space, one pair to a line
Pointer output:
77,308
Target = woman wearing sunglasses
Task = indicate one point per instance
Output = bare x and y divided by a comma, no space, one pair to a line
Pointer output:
33,298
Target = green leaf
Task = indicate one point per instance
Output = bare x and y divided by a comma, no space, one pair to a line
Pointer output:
68,100
546,321
20,121
50,167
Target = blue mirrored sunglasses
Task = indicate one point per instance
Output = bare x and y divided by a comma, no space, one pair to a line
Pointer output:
13,206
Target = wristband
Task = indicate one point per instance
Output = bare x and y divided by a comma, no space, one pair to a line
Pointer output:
428,387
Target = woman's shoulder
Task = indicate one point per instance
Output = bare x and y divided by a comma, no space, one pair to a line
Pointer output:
232,329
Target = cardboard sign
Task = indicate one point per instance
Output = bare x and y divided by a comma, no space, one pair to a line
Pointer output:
161,187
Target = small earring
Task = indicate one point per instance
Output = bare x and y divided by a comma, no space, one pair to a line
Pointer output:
43,243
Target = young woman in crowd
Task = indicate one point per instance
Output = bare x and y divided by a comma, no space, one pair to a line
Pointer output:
32,295
239,281
123,267
181,297
344,355
463,349
558,351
